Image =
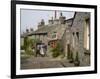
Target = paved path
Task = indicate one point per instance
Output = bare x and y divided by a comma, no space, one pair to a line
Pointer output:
44,62
48,62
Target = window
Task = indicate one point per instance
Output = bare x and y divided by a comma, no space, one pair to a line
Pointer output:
77,34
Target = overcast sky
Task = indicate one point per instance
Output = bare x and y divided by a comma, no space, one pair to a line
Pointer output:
31,18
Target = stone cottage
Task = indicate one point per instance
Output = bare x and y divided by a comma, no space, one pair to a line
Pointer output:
80,34
73,33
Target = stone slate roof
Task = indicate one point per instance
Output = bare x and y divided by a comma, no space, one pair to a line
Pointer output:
26,34
49,29
43,29
78,19
69,21
59,28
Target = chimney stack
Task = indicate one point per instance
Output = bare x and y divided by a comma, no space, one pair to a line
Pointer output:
61,14
27,30
31,29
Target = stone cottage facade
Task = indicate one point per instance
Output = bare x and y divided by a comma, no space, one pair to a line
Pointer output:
73,33
80,34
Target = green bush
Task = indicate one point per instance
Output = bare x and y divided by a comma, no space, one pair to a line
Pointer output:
29,52
63,55
55,54
22,47
57,50
71,55
77,62
77,57
28,45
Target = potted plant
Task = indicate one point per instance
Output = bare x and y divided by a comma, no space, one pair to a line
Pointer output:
77,62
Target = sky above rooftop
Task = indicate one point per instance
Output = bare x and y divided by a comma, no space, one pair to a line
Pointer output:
30,18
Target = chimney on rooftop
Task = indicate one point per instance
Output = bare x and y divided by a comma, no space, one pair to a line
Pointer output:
62,18
61,14
31,29
27,30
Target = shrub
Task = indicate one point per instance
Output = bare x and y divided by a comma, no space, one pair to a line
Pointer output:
29,44
63,55
22,47
26,44
77,62
71,57
57,50
77,57
29,52
55,54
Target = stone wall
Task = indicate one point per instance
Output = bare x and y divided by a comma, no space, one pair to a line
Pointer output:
66,41
78,27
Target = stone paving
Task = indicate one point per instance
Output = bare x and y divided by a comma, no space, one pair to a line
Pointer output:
48,62
44,62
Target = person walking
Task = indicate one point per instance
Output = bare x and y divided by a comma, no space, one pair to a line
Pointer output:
37,50
42,50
